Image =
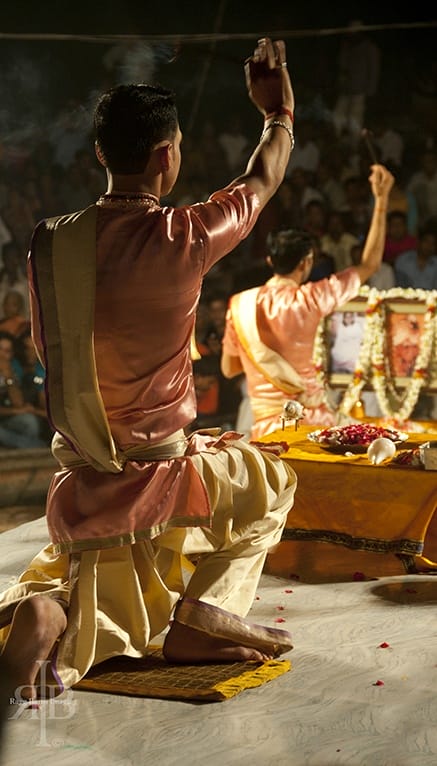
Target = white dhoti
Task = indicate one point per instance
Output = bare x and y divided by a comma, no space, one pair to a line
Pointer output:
118,599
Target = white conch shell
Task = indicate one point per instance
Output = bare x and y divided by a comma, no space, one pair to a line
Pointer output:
380,449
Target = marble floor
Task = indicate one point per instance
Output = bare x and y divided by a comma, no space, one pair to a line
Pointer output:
15,515
362,690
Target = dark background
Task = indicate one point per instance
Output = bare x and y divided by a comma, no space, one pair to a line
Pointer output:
39,74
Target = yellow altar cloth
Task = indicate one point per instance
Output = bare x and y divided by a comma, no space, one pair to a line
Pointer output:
354,520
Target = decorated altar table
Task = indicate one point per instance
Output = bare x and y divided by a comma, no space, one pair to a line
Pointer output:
354,520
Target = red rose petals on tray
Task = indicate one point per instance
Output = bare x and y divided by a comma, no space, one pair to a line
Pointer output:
357,436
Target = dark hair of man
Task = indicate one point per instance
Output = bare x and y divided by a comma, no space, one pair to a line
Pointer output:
287,249
129,120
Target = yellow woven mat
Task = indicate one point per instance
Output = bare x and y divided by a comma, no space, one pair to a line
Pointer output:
152,676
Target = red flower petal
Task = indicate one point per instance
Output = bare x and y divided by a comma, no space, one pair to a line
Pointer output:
287,590
357,576
280,619
378,683
280,608
384,645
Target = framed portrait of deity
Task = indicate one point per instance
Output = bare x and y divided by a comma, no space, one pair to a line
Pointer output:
383,341
344,335
404,328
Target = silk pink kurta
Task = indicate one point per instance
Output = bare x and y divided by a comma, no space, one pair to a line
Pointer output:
150,263
150,266
287,316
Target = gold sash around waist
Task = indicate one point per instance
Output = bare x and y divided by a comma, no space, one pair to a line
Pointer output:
172,446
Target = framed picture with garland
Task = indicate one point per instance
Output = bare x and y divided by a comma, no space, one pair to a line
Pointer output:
344,335
404,327
383,341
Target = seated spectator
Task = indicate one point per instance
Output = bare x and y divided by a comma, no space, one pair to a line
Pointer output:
286,203
217,304
398,240
68,134
302,183
206,385
14,319
383,279
73,190
423,185
306,153
357,209
19,425
323,263
213,341
337,241
315,218
229,391
389,142
13,274
329,183
18,217
31,376
418,268
402,200
217,400
33,198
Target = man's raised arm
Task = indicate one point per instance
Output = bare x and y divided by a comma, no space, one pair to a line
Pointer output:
270,89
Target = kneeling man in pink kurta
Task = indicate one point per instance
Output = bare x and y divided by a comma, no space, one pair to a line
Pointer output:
148,530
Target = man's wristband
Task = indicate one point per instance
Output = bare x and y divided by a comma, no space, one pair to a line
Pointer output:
279,111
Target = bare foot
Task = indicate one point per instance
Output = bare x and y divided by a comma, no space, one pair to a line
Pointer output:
37,623
187,645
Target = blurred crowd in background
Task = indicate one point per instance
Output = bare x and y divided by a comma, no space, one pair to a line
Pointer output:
51,169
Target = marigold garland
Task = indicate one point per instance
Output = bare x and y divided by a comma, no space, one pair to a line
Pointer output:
373,365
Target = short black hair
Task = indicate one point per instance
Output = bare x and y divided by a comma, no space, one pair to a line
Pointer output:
287,248
129,120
